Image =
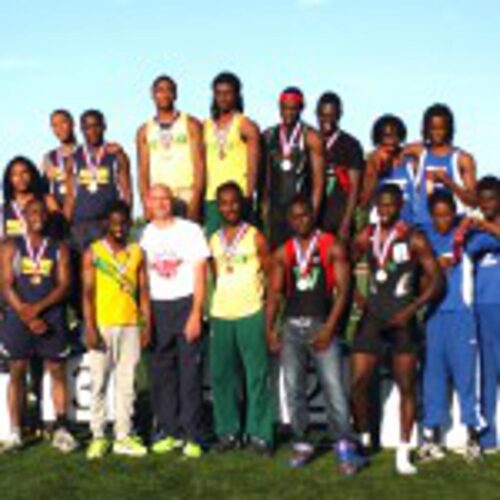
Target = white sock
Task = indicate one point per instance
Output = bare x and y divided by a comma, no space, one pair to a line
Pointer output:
403,462
366,439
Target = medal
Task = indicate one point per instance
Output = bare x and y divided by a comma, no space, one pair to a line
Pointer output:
93,163
221,135
286,165
229,248
381,252
165,130
304,259
288,144
36,258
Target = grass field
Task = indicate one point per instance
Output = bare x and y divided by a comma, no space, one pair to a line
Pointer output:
42,473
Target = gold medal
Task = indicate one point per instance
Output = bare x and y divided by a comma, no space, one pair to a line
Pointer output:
36,279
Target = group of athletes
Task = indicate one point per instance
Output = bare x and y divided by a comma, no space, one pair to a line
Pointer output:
258,235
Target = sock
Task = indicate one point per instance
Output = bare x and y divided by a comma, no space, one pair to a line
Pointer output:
366,439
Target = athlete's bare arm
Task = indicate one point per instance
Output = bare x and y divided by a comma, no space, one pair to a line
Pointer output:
340,262
144,303
263,253
123,174
315,146
8,277
193,326
370,179
432,281
143,178
195,130
360,245
274,299
92,338
250,133
355,178
414,150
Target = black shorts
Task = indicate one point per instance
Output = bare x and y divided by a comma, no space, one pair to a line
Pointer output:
373,336
18,342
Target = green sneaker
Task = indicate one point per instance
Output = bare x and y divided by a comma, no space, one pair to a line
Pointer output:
166,445
130,446
98,447
192,450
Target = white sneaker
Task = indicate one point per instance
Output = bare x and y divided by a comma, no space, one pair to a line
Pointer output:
403,463
473,452
13,443
64,441
430,452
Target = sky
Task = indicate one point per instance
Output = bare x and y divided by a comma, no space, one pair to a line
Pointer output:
380,56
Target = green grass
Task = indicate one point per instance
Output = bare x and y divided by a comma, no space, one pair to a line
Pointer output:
42,473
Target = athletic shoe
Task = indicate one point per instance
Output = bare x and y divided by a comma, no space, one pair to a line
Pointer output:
260,446
302,454
63,440
192,450
130,446
97,448
13,443
430,452
227,443
491,451
166,445
403,464
349,460
473,452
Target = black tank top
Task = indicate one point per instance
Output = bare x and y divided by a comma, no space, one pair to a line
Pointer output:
307,295
287,179
394,288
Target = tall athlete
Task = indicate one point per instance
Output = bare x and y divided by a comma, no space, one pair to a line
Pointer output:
57,164
101,176
35,281
344,165
170,151
309,270
440,164
232,148
293,165
240,261
451,335
388,165
396,255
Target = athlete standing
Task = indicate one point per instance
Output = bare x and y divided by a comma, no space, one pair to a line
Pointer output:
232,148
396,255
170,151
294,165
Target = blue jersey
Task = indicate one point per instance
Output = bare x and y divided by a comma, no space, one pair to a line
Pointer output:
424,186
486,251
95,187
459,292
402,176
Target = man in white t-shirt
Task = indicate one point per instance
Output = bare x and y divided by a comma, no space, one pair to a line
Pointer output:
176,252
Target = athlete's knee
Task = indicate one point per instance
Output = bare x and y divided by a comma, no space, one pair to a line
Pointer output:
18,370
57,370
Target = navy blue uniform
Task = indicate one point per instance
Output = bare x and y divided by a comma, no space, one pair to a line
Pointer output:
451,339
95,189
486,248
33,283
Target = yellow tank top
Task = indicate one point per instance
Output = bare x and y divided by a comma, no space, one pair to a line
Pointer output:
239,289
116,284
170,159
228,163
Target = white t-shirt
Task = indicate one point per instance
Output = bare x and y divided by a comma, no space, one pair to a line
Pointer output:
172,253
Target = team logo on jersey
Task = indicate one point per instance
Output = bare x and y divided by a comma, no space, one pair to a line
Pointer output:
400,253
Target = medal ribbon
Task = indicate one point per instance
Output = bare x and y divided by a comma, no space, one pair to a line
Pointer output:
221,134
36,257
287,145
165,128
229,249
304,259
92,165
18,214
380,251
